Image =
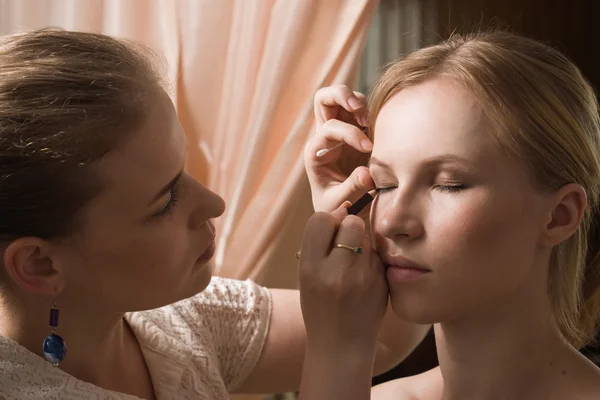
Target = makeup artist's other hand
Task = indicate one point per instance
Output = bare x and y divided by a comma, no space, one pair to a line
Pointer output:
343,295
341,174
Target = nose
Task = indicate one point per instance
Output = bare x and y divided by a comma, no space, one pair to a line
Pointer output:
398,217
208,205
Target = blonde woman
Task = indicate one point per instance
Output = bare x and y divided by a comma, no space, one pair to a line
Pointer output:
486,161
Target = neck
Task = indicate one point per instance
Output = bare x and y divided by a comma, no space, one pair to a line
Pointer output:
100,345
502,352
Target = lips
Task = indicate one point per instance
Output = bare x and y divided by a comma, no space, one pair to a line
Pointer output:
208,253
402,269
398,261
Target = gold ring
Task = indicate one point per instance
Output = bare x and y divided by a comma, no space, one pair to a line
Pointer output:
355,250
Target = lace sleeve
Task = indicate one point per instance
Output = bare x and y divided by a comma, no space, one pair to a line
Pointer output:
237,314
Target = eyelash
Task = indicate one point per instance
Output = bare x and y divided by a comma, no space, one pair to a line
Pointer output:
444,188
168,208
384,189
456,187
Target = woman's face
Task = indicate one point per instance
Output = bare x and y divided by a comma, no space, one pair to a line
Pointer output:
450,204
148,237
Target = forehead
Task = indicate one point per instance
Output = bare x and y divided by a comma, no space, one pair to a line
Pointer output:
429,118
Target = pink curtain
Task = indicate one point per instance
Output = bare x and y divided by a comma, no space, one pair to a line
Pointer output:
244,73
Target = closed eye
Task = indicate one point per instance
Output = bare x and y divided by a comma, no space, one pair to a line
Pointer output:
450,187
443,188
382,190
170,205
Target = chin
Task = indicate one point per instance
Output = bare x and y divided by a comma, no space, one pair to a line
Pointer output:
419,317
430,309
198,281
204,278
419,310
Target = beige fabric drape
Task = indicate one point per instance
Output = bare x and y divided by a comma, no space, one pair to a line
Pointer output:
244,73
252,113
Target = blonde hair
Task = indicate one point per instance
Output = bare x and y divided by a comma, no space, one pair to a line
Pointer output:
544,113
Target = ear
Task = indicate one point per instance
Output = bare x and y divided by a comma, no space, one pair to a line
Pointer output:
567,208
29,263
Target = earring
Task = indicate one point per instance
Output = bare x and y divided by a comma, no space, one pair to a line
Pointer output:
55,348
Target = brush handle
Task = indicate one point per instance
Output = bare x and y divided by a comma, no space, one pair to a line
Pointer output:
361,203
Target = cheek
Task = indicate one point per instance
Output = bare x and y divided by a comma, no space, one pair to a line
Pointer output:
485,228
157,248
147,250
468,219
378,207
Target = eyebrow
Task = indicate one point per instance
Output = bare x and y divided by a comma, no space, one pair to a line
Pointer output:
167,188
376,161
436,160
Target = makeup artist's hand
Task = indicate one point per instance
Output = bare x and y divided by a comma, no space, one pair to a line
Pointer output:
341,174
343,295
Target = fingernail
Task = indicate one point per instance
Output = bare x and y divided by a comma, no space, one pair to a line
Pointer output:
366,144
354,103
346,204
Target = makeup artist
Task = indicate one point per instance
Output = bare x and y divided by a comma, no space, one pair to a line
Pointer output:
106,240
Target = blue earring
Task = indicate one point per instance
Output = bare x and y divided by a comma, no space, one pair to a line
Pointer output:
55,348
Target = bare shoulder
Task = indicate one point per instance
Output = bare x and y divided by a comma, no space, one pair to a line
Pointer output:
590,385
425,386
581,381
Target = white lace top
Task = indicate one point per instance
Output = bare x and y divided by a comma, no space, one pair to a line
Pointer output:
199,348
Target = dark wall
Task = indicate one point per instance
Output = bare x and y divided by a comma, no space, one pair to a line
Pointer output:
570,25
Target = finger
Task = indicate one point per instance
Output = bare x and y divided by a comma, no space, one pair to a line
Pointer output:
318,234
334,132
378,270
341,212
376,262
360,96
362,115
350,233
328,99
355,186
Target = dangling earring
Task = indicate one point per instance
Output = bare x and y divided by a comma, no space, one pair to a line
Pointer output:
54,345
